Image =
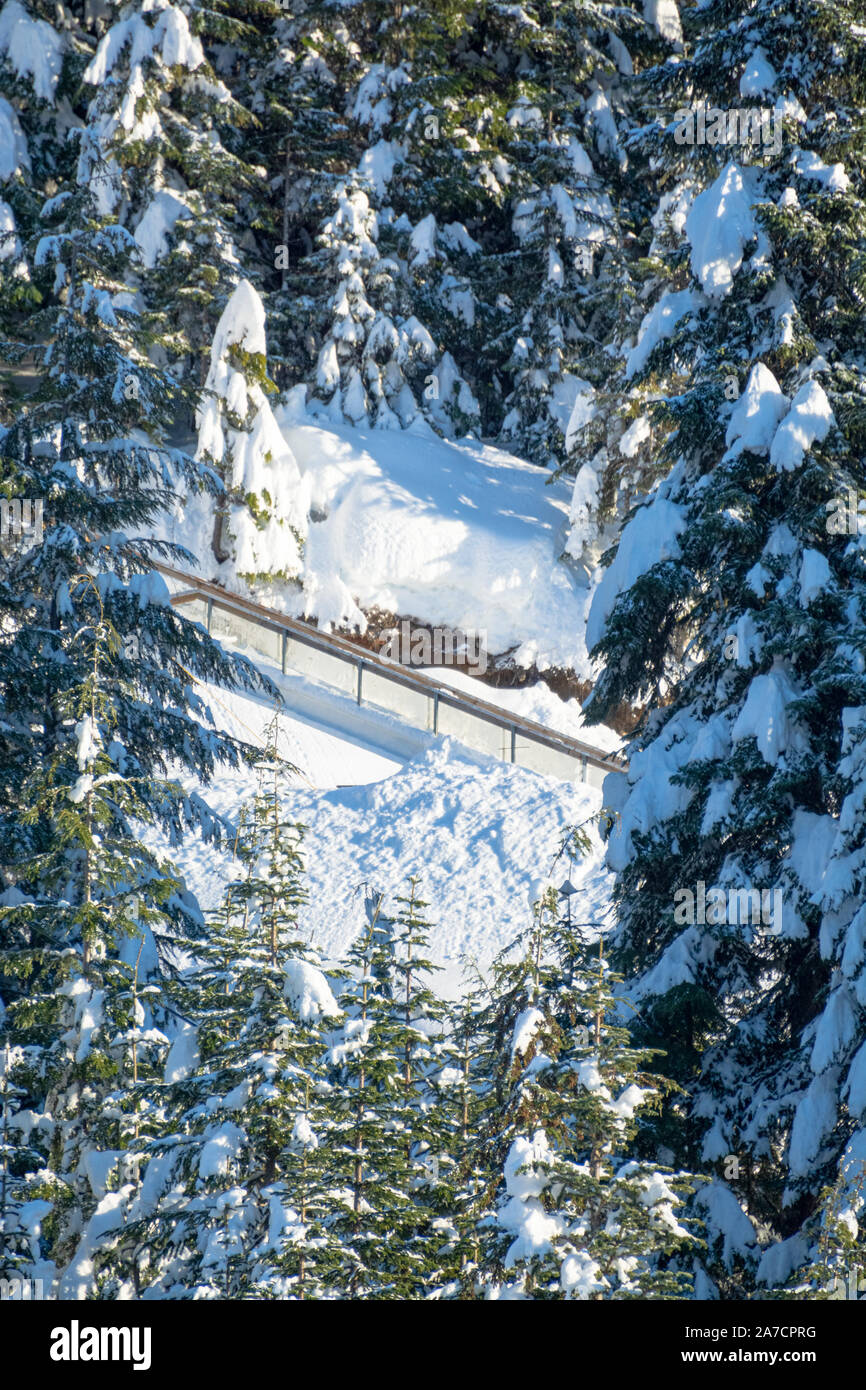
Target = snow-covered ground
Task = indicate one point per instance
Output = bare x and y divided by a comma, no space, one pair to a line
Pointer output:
458,534
478,833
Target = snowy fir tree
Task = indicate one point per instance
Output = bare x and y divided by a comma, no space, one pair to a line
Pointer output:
434,1088
385,1130
570,1211
99,889
229,1187
365,358
97,676
261,514
157,152
83,918
828,1258
733,606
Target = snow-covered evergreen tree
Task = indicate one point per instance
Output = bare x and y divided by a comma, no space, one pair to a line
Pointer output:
80,963
733,607
385,1129
364,359
570,1212
229,1177
86,619
230,1191
827,1258
103,890
261,517
161,148
359,257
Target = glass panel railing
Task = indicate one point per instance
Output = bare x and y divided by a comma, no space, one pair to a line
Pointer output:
246,633
195,611
379,690
339,673
267,641
551,762
382,692
595,775
477,733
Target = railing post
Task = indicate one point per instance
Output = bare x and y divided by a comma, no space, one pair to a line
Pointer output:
209,613
583,768
360,679
285,652
435,711
513,744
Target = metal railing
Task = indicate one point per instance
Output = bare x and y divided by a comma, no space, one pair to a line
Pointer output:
382,685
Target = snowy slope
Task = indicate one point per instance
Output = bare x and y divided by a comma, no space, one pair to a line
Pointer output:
478,833
458,534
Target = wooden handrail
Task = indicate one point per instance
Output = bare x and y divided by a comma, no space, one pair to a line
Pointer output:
209,592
